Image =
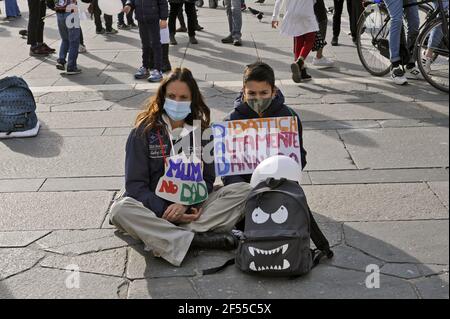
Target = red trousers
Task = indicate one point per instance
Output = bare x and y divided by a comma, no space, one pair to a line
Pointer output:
303,45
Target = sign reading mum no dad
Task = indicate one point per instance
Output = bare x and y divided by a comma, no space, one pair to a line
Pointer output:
239,146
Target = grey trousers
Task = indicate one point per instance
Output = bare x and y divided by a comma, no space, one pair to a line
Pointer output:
234,15
221,211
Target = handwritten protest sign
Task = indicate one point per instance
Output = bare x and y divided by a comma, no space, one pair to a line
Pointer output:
182,182
239,146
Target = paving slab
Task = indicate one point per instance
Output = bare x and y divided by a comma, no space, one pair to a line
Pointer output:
326,151
375,202
20,238
110,262
17,260
41,283
89,119
63,157
406,271
77,242
350,258
320,283
441,191
433,287
82,184
379,176
162,288
401,241
20,185
46,211
398,147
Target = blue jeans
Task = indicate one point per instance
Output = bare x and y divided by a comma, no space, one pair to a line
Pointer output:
11,8
234,15
70,40
396,11
150,34
437,34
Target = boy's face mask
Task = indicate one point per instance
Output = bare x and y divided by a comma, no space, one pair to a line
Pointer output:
260,105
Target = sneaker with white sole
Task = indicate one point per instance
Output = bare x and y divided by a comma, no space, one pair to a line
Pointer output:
426,63
398,75
142,73
155,76
413,73
323,62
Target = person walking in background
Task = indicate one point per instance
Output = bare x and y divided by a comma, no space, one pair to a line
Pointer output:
300,23
322,19
234,14
12,10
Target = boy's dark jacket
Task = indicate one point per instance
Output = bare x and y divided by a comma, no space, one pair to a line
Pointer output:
277,109
150,9
144,165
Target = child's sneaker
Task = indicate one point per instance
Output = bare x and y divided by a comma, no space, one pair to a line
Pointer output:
323,62
123,26
112,31
73,71
304,75
133,26
142,73
60,65
398,75
426,63
413,73
155,76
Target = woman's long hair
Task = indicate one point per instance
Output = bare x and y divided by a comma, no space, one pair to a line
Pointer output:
151,118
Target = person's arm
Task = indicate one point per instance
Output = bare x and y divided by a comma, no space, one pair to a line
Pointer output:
276,10
137,176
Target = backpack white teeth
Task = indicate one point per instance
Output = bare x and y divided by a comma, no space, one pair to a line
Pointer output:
286,264
252,266
251,250
285,248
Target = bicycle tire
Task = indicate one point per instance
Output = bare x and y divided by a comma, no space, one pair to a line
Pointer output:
367,44
420,46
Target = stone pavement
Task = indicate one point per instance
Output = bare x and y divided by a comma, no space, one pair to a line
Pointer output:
377,177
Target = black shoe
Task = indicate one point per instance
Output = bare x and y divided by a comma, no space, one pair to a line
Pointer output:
335,41
101,31
193,40
61,65
304,75
173,41
182,30
237,43
354,40
210,240
199,28
228,39
73,71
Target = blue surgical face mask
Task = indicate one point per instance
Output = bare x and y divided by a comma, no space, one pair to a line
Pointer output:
177,111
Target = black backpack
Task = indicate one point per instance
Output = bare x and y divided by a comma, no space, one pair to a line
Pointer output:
278,229
17,106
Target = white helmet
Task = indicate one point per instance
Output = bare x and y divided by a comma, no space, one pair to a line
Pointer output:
278,166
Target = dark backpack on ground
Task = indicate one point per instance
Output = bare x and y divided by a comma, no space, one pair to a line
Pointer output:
17,106
278,229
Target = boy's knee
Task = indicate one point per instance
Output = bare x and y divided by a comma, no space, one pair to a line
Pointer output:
119,209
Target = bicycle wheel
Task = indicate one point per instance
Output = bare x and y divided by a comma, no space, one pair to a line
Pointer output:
373,40
434,68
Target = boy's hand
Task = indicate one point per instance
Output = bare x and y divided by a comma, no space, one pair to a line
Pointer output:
275,24
126,9
174,212
163,24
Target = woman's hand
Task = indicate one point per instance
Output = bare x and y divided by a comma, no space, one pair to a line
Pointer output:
163,24
275,24
126,9
174,212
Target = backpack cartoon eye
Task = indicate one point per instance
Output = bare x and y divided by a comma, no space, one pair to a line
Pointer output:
17,109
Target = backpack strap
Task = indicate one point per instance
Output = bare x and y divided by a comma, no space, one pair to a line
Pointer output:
215,270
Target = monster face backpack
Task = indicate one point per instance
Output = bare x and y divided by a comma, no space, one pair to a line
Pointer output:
17,109
278,229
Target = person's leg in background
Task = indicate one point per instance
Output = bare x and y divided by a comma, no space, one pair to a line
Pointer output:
299,42
97,17
175,8
64,47
144,71
337,16
234,14
82,48
308,44
395,9
355,9
156,48
108,24
37,11
183,27
12,9
413,25
321,14
74,43
192,21
121,19
436,37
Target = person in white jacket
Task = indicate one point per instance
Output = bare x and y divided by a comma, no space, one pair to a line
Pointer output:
300,23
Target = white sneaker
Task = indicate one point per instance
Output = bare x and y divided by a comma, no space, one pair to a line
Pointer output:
426,63
398,76
413,74
323,61
82,49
